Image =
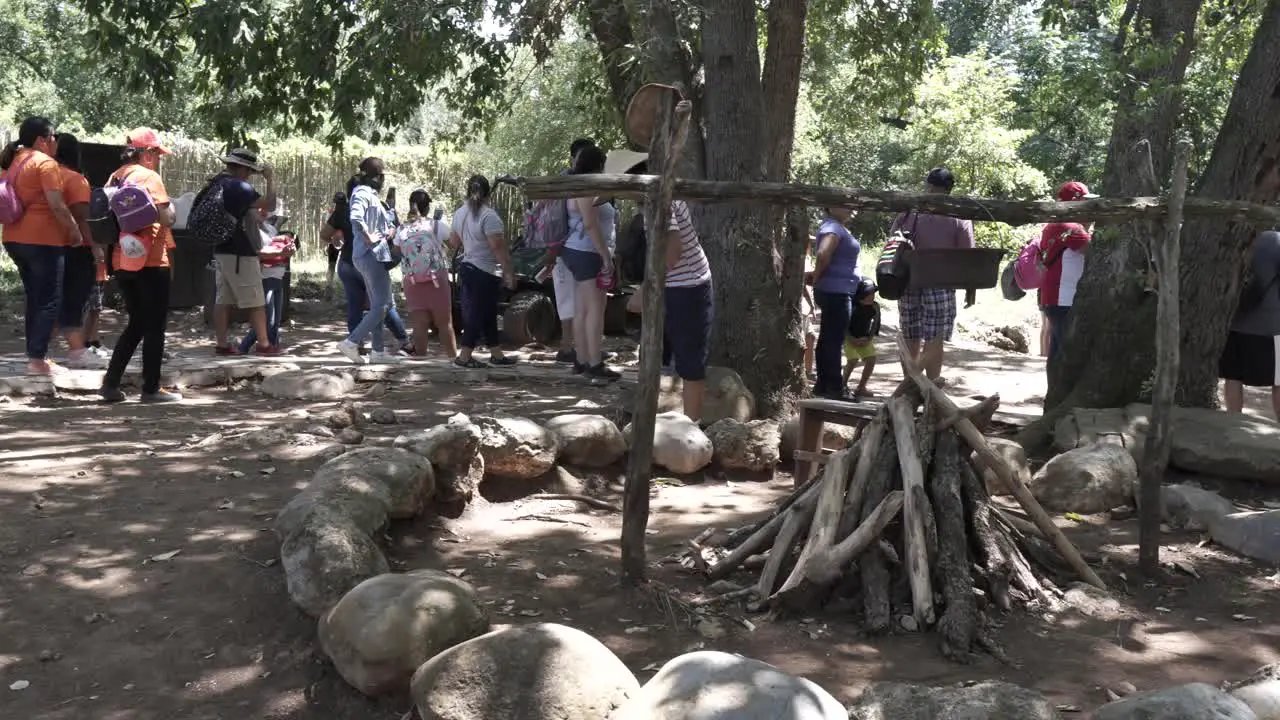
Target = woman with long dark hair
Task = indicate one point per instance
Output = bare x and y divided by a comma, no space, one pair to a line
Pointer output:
81,260
339,224
588,255
835,279
485,267
37,239
371,231
144,278
426,275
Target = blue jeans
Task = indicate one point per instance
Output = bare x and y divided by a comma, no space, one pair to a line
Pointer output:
353,288
1059,321
480,291
273,289
837,310
377,282
41,268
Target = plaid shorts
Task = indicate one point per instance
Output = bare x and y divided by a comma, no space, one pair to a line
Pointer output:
95,297
927,314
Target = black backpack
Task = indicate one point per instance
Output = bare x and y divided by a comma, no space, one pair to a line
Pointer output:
893,269
1253,295
209,224
104,228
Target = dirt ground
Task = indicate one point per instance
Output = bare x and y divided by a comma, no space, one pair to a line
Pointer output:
103,621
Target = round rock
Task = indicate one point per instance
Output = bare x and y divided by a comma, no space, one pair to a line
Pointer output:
407,477
1091,479
325,559
516,448
679,445
314,385
451,446
588,440
745,446
389,625
530,672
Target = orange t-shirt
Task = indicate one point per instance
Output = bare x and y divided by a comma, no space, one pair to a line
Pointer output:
37,175
75,191
158,237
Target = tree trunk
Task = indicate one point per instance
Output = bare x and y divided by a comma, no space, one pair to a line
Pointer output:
610,24
1090,372
738,237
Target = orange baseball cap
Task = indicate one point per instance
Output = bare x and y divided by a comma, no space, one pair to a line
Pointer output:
147,139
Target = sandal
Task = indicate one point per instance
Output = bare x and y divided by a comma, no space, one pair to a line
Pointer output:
504,361
470,364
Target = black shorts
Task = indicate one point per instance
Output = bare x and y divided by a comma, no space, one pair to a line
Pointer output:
583,265
1252,360
690,312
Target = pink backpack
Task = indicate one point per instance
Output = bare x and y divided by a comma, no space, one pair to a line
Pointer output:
1032,265
133,207
11,208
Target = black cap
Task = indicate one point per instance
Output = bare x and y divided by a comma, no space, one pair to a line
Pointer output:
866,287
941,177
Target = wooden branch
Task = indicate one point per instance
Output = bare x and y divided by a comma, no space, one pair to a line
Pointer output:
992,563
826,520
980,415
757,541
798,519
870,445
737,536
1159,443
584,499
1006,474
1012,212
828,565
917,552
673,127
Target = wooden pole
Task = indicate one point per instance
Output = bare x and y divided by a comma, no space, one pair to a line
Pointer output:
988,457
1155,454
1013,212
672,129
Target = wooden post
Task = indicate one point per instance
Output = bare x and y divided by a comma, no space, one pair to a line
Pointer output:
1155,454
672,128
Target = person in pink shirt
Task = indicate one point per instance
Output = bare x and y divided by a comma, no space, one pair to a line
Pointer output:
928,315
1063,246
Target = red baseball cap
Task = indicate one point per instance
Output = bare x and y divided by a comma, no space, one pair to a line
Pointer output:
1074,190
147,139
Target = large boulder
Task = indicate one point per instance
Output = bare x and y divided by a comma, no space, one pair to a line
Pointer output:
745,446
325,558
1193,508
388,626
1196,701
406,476
726,396
516,448
1261,692
450,446
314,385
1252,534
359,501
834,437
1015,455
712,685
588,440
1087,480
531,672
679,445
987,700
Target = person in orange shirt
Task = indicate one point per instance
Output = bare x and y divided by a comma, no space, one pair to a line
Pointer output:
78,271
37,242
144,281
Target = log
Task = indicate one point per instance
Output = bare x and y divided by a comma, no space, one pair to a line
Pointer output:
797,520
871,444
763,536
1159,442
992,564
1012,212
981,415
674,124
929,523
1006,474
1020,572
833,561
873,566
826,519
960,622
736,537
915,547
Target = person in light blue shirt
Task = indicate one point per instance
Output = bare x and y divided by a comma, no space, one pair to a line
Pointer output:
588,255
371,230
835,280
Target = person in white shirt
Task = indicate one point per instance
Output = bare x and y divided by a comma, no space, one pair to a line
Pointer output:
485,268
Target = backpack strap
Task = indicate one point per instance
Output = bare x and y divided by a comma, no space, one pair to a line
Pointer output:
16,168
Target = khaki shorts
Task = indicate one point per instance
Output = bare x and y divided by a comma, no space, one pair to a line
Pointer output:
240,282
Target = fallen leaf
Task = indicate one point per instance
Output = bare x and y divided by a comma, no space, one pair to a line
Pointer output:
636,630
162,557
1067,708
457,572
1163,609
268,470
530,613
1112,695
235,474
1074,517
1241,617
650,666
540,576
227,505
19,685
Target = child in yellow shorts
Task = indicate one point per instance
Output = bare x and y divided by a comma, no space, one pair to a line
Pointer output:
860,343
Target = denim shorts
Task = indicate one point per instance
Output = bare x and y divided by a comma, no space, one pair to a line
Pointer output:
690,312
583,265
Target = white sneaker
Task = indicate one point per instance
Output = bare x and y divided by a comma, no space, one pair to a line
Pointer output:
102,352
351,351
384,358
86,360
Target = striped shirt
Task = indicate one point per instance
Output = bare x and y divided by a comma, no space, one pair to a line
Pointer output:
692,269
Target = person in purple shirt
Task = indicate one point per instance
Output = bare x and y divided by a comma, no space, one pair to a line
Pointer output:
927,316
835,279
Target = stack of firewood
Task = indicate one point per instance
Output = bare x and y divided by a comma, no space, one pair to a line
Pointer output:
902,520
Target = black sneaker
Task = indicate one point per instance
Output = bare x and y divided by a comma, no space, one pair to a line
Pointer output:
567,357
112,395
161,396
602,372
579,368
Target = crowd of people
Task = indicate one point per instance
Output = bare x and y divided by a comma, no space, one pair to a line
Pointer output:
48,214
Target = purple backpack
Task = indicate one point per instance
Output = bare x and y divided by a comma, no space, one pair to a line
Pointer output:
133,207
11,208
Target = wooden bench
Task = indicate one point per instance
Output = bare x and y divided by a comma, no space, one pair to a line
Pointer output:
815,413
